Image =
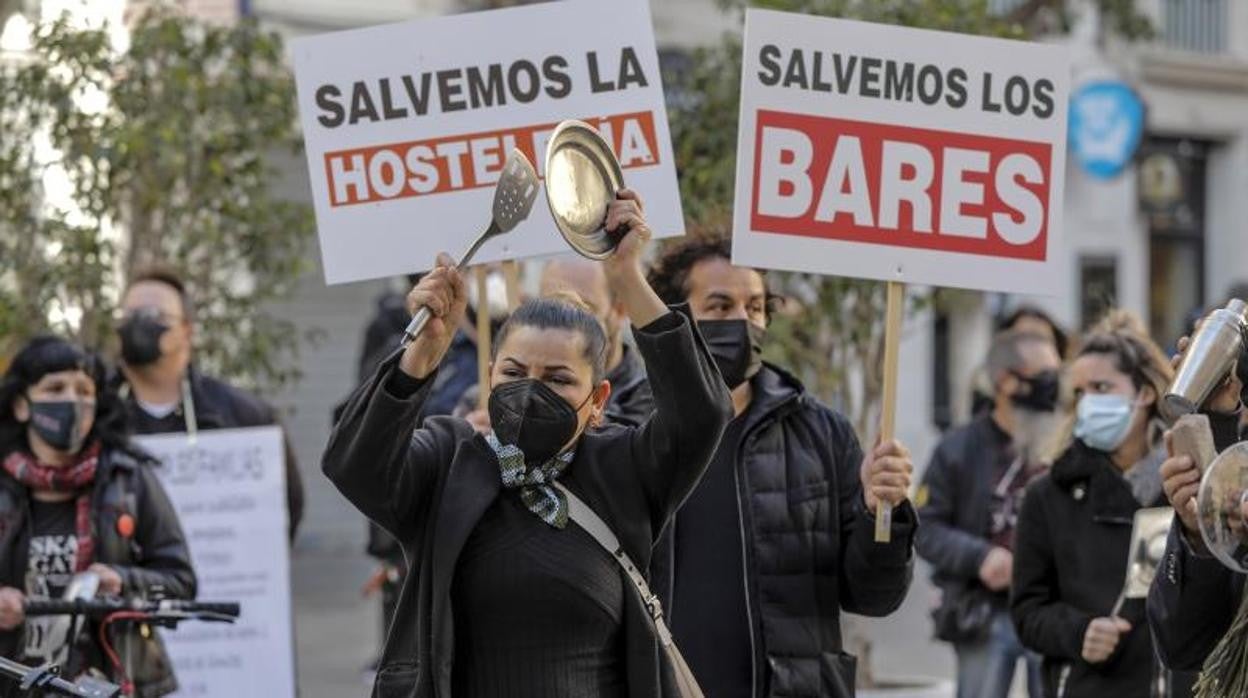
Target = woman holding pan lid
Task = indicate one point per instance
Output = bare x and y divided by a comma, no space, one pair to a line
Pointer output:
506,596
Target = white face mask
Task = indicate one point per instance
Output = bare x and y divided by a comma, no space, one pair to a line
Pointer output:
1102,421
496,290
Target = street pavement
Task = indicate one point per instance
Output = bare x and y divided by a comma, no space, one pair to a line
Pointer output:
336,630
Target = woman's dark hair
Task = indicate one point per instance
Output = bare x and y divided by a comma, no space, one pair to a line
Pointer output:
669,276
49,354
1122,337
1060,338
561,311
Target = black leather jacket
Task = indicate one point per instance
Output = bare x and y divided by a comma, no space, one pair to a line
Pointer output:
155,558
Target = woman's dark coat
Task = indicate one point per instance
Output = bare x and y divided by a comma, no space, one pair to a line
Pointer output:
1070,565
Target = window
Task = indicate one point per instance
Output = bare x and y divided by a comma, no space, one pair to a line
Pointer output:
1172,198
1098,288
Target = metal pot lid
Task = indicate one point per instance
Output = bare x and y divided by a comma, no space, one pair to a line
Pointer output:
1221,507
582,178
1148,545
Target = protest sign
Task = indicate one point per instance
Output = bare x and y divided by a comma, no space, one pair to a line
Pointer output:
899,154
407,126
228,487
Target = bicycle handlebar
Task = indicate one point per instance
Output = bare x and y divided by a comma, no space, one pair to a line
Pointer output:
108,606
45,678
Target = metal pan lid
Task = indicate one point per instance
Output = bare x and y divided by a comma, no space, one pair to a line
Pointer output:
1222,507
582,178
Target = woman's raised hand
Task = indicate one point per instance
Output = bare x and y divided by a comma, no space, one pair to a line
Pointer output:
627,215
443,292
623,268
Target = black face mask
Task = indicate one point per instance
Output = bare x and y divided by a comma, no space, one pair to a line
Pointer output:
59,423
140,339
1043,393
526,413
736,346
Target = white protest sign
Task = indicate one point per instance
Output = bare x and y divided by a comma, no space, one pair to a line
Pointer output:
407,126
229,489
900,154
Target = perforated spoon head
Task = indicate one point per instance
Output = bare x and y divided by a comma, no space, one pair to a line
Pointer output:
515,192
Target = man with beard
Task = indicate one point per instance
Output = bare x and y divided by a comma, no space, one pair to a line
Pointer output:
163,391
969,503
778,537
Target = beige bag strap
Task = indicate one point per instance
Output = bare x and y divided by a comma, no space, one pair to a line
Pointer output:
585,517
579,512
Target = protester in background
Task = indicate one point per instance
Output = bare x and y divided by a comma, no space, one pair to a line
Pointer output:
1194,598
384,330
631,403
76,496
777,539
162,390
505,597
1074,532
1033,320
1025,318
969,502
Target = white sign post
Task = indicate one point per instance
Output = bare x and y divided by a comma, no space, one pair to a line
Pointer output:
407,126
229,489
904,155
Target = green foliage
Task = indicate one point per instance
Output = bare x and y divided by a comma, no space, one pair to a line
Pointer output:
168,145
831,333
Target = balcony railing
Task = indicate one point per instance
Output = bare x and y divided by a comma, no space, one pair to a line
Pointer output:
1199,26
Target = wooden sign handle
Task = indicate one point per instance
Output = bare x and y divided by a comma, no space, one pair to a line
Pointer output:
888,414
483,337
511,275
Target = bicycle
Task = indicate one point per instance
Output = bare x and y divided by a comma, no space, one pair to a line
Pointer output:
166,613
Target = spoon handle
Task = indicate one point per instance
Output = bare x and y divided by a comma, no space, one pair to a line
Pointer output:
421,318
490,232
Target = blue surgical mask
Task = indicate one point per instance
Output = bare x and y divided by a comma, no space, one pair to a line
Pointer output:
1102,421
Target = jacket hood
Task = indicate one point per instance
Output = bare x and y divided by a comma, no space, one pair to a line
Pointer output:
1078,463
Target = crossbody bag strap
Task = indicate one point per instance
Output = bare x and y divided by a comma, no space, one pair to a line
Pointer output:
584,516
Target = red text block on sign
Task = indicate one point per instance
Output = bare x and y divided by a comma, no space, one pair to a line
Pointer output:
900,186
469,161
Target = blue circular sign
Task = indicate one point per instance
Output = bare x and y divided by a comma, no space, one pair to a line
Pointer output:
1106,124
